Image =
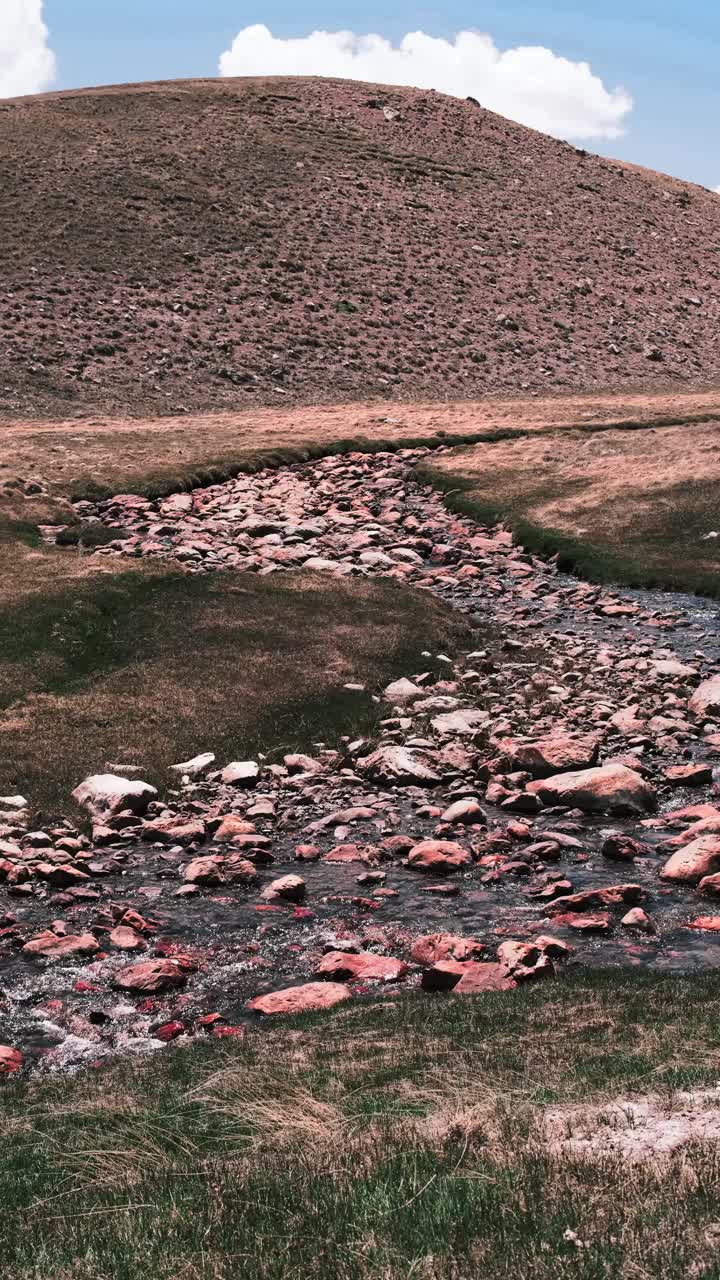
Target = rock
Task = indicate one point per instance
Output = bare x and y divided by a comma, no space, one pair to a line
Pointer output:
341,966
463,723
524,961
689,775
397,765
287,889
63,876
51,946
705,702
553,947
672,667
11,1060
105,794
238,870
613,895
151,976
168,1031
174,830
479,978
195,768
617,847
467,811
556,753
709,886
636,918
438,856
710,924
599,922
401,692
434,947
231,827
126,939
443,975
240,773
609,788
206,871
693,862
305,999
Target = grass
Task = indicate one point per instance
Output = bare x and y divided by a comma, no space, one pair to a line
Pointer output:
614,505
393,1138
150,666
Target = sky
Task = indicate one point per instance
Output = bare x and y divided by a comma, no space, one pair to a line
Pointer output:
634,79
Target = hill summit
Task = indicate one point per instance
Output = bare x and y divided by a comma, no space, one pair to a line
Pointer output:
208,244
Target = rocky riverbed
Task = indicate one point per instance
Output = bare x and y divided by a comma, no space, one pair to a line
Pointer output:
544,800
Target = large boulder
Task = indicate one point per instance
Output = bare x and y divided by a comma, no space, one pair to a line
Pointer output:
53,946
151,976
433,947
694,861
705,701
304,999
479,978
105,794
438,856
556,753
611,788
342,966
396,765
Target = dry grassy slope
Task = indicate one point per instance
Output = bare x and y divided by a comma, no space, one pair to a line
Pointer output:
219,244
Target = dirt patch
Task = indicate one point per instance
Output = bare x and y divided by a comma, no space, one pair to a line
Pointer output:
639,1129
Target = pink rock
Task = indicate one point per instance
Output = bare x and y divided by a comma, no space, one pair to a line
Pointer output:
286,888
636,918
341,966
524,961
706,699
207,871
11,1060
52,947
438,856
479,978
695,861
555,753
582,923
126,939
304,999
444,946
151,976
610,788
614,895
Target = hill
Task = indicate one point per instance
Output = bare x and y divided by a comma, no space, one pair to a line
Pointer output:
217,244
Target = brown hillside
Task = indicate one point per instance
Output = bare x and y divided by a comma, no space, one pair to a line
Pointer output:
217,244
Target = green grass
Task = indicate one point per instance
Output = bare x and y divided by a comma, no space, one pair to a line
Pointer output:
392,1138
162,481
150,666
660,551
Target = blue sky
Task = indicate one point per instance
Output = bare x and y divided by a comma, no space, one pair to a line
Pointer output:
665,53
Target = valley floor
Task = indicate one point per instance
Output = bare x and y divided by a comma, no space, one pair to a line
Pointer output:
557,1128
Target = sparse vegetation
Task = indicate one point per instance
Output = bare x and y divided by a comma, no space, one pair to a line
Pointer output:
393,1138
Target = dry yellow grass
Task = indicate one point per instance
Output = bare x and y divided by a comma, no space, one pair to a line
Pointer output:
644,501
123,452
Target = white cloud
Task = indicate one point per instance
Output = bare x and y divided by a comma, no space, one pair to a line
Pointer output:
27,64
532,85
